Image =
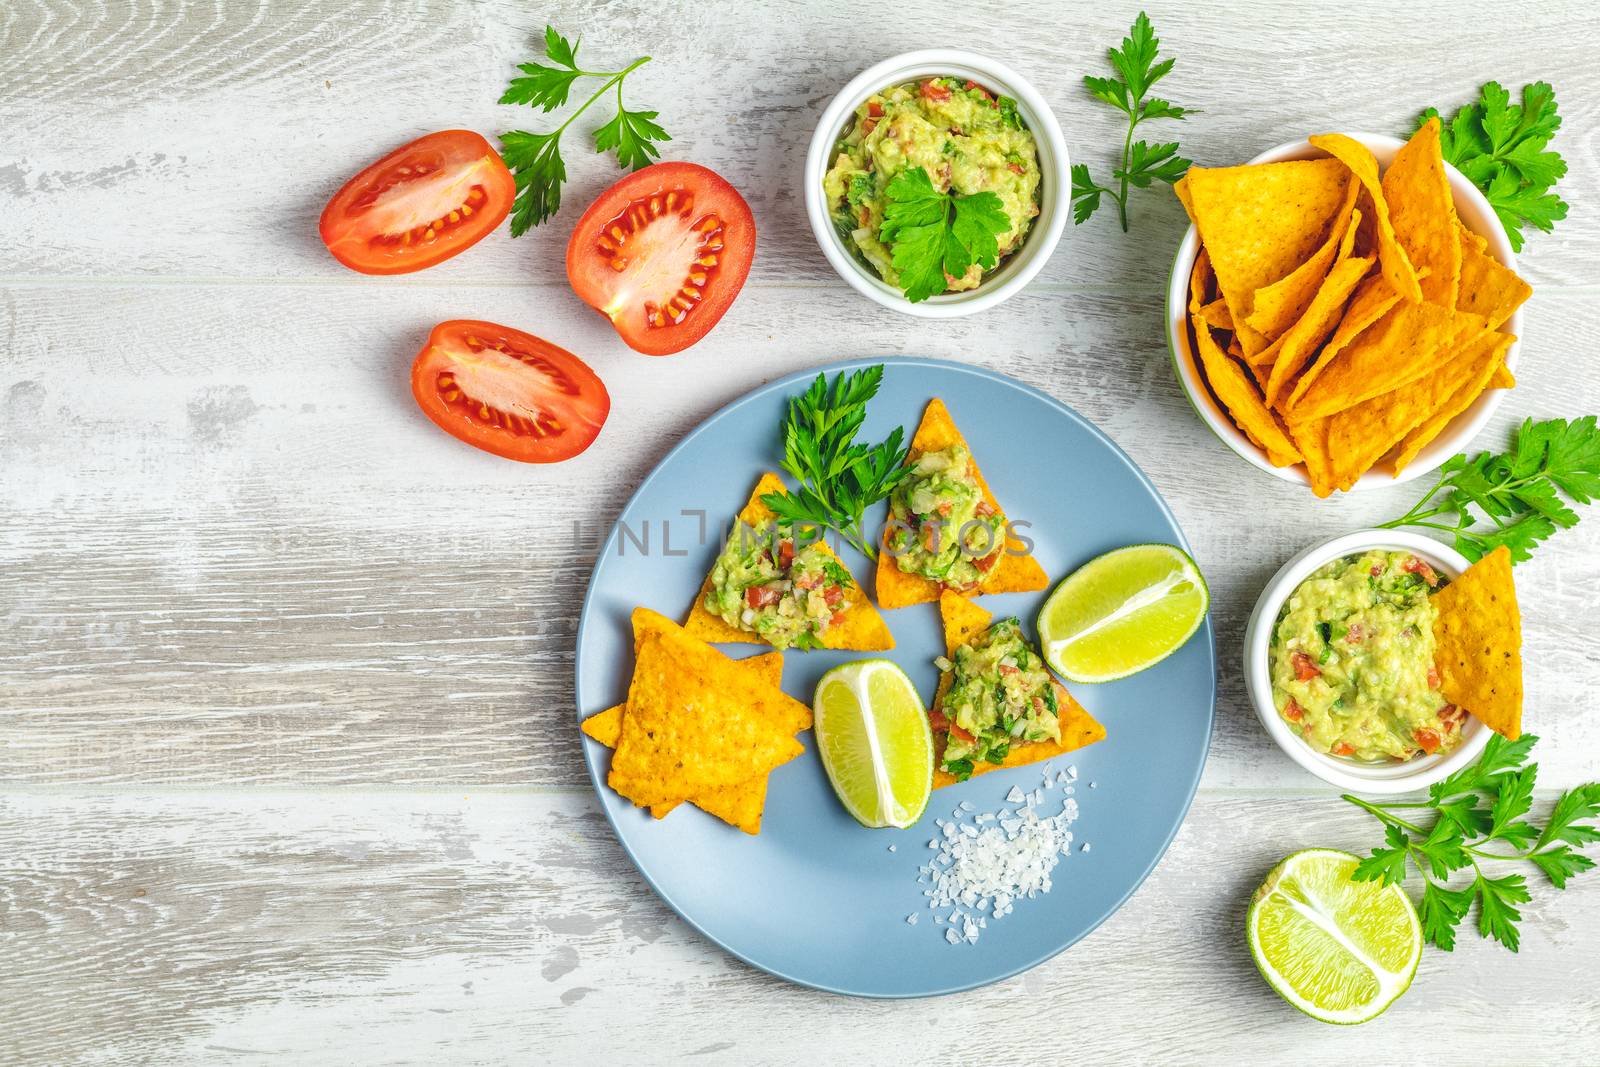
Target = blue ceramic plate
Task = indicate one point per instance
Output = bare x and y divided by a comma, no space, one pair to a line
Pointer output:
816,898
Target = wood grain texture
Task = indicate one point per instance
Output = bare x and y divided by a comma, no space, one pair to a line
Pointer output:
287,758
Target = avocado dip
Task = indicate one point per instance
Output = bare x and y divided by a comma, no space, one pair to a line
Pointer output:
967,140
940,526
1000,694
1352,660
786,593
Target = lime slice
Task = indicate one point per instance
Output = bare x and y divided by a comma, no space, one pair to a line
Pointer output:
875,743
1122,612
1339,950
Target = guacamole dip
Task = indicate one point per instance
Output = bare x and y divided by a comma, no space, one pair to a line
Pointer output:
764,584
940,527
968,140
1352,660
1000,694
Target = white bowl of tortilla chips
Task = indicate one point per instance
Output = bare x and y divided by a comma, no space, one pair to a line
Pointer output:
1375,367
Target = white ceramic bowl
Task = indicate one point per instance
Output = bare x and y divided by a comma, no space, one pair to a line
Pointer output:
1474,212
1054,190
1353,775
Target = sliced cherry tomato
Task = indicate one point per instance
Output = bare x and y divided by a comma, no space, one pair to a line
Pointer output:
937,721
1428,740
1343,748
419,205
761,596
1292,711
508,392
1305,668
1413,565
961,735
662,254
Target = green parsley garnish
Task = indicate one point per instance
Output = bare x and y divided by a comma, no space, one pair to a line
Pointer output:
535,158
1474,807
1518,492
934,236
839,477
837,574
1136,71
1500,146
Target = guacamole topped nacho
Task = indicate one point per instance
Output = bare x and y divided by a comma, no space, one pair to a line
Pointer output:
940,527
771,584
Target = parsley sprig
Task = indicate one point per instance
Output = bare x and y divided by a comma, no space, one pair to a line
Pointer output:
1501,147
839,477
1518,492
1486,804
1142,163
935,235
535,158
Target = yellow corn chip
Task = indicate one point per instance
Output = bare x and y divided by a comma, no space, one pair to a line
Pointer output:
1359,436
1408,343
694,722
738,805
1201,280
1260,222
1372,301
1215,314
1392,260
1477,637
1502,378
1290,350
1417,191
860,629
963,621
1016,572
1488,288
1311,439
1467,391
1283,303
1238,396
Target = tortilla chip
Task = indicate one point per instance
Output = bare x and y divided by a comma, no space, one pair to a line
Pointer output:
1465,394
1237,395
1478,644
1283,303
1017,571
1215,314
1502,378
1407,344
1201,280
1291,350
860,629
738,805
694,722
1373,299
1359,436
963,621
1311,438
1259,222
1392,259
1417,191
1488,287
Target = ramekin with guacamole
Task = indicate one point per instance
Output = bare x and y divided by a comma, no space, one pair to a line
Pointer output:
966,139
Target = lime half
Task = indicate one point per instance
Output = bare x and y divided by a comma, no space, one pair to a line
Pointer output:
875,743
1339,950
1122,612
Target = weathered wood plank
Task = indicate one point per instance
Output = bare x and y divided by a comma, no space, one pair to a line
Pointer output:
359,927
238,554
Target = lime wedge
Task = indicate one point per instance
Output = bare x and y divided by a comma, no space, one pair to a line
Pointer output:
875,743
1339,950
1122,612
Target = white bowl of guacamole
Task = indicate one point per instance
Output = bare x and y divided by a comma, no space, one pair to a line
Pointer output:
1336,664
972,122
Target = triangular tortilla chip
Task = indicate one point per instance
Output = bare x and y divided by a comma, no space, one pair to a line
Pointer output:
1417,191
739,805
1488,287
1407,344
1477,637
964,620
1502,378
1259,222
1238,396
1311,438
1017,571
1283,303
1460,400
861,629
1358,437
1327,305
1372,300
1392,259
694,722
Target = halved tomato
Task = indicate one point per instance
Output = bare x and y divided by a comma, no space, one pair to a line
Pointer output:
662,254
419,205
508,392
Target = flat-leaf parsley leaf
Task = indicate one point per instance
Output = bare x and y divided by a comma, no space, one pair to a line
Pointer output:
934,235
